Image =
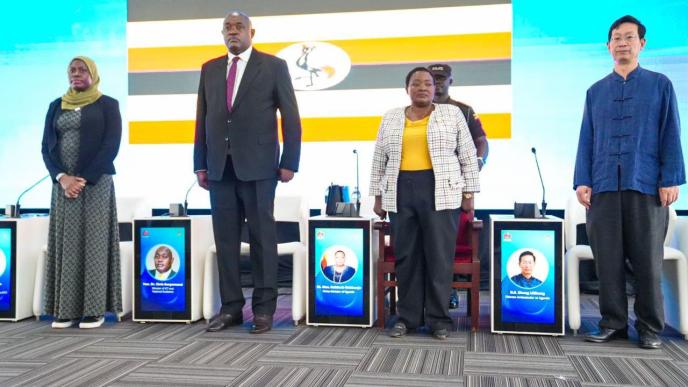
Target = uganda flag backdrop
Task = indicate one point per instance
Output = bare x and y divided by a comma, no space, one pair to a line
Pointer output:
347,59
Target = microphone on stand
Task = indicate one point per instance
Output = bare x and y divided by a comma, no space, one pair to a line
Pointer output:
543,212
186,198
177,209
13,210
357,191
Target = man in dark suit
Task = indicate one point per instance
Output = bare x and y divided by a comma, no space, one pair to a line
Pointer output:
442,73
237,158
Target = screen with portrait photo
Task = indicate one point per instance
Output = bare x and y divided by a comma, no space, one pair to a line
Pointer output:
339,289
163,295
527,277
6,270
162,286
338,272
527,287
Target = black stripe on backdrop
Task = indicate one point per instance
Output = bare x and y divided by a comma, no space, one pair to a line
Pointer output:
479,73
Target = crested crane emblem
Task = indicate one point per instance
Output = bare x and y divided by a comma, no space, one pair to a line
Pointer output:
316,65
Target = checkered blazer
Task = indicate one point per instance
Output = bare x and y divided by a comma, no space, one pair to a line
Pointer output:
452,153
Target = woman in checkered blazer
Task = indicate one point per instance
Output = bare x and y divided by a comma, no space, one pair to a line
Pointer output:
424,171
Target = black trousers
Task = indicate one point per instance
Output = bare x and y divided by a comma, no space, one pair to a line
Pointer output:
424,241
232,201
628,224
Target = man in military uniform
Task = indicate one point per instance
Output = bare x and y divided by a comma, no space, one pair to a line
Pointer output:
443,79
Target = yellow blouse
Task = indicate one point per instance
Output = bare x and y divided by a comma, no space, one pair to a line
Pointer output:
415,154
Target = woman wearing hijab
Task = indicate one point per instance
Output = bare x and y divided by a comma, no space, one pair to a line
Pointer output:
424,169
81,138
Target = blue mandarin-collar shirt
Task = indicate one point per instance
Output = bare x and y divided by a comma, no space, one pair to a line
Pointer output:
630,135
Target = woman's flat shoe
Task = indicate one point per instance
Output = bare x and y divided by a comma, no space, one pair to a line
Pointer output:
61,323
91,322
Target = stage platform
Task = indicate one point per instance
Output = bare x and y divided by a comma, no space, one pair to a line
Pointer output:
128,353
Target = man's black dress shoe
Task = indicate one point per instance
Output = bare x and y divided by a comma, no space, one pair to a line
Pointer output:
440,334
223,321
648,340
604,335
398,330
261,323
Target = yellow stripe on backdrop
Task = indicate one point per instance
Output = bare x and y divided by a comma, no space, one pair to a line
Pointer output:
447,48
315,129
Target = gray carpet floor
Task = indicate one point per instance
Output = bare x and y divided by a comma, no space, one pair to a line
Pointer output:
128,354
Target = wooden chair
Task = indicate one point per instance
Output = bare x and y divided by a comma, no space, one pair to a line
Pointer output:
466,262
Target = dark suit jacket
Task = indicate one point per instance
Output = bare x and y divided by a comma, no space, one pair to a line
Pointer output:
100,135
250,129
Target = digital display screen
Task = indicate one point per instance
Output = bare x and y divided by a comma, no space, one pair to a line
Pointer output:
6,269
338,276
8,261
162,270
339,286
527,287
527,277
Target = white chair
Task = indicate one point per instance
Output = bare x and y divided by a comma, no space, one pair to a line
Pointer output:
674,284
287,209
128,208
674,279
366,210
39,283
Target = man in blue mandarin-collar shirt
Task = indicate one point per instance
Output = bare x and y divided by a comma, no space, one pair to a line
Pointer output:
628,168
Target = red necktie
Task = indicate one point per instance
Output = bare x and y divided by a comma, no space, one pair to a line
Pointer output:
231,78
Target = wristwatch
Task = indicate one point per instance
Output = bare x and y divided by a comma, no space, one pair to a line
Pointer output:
468,195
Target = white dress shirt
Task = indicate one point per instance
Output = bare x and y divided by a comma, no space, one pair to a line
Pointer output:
241,66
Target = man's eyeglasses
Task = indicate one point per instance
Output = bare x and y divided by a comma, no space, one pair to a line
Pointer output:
627,38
